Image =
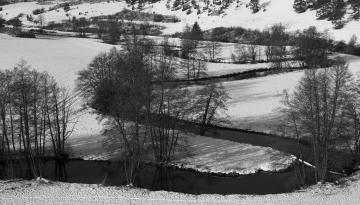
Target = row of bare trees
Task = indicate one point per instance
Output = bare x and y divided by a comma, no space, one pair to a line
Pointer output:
134,91
36,117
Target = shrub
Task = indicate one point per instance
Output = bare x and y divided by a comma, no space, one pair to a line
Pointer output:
67,7
25,34
1,8
176,3
38,11
2,22
158,18
4,2
16,22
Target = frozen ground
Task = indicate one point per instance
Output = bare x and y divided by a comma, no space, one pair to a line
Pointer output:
43,192
233,16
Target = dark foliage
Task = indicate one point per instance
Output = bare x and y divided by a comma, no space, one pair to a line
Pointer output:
16,22
38,11
332,10
4,2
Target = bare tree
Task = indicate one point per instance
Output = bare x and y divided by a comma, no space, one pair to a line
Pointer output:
316,110
42,21
24,110
212,50
210,101
241,54
253,50
118,86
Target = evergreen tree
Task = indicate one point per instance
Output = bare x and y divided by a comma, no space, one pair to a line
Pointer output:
187,44
332,10
196,32
254,6
300,6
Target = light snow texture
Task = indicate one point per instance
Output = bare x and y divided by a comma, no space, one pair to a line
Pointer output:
223,156
39,192
204,154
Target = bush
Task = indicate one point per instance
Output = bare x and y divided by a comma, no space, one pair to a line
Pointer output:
16,22
158,18
2,22
1,8
176,3
38,11
67,7
4,2
25,34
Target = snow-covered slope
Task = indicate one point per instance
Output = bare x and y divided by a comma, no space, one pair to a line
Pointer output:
277,11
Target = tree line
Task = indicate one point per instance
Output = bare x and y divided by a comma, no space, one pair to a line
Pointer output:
36,118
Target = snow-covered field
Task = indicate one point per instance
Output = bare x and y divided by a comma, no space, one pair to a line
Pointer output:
43,192
61,58
255,103
233,16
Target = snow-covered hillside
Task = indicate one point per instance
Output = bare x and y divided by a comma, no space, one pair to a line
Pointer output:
276,11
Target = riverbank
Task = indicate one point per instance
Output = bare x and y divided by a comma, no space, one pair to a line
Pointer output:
43,192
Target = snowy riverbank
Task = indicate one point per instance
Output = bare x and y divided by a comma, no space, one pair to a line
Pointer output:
42,192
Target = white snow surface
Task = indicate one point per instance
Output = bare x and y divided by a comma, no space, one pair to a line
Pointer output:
204,154
255,103
62,58
223,156
42,192
278,11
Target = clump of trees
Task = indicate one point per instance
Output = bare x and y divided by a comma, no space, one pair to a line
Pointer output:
352,47
323,109
36,119
312,47
2,21
136,93
338,12
38,11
